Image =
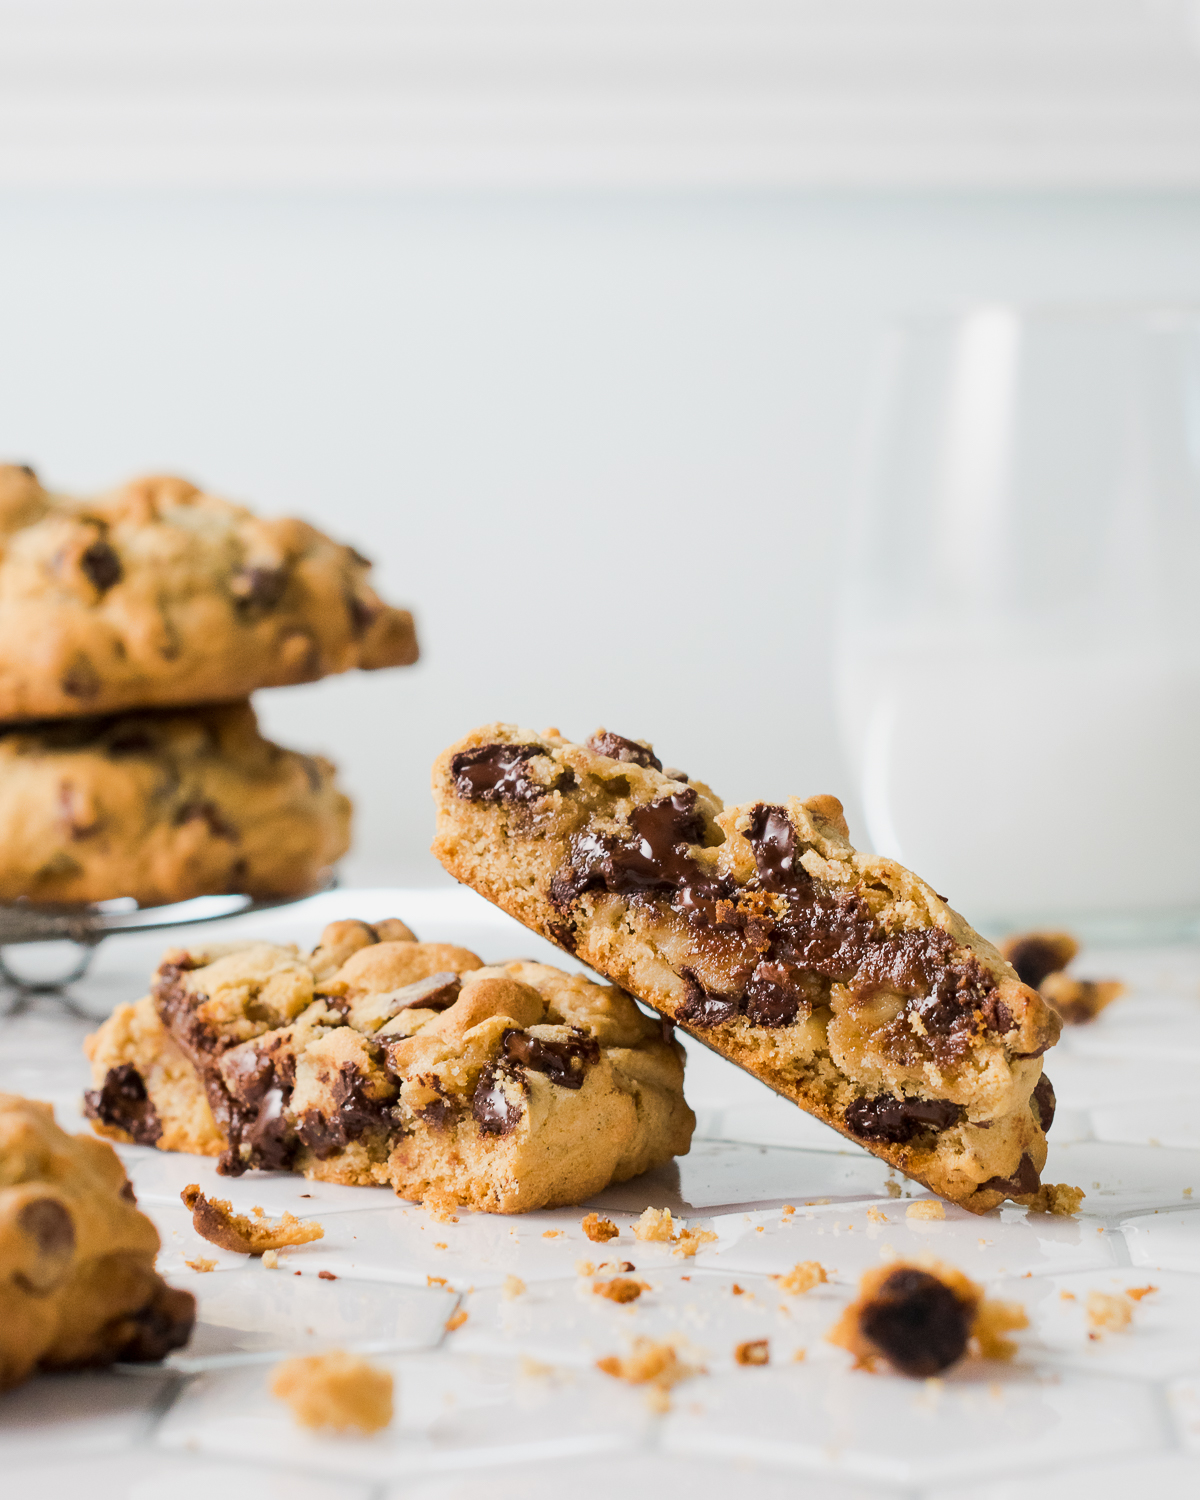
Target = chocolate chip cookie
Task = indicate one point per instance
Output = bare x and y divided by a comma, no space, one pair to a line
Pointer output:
406,1064
158,593
77,1280
162,806
839,979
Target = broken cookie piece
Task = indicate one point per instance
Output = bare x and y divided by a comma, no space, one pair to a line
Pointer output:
378,1059
839,979
1040,959
921,1318
214,1220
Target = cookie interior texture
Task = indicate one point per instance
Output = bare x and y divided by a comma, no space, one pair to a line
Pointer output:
77,1280
377,1059
157,593
840,979
162,806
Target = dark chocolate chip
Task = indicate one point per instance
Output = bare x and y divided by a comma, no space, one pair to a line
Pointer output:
49,1224
617,747
774,994
1034,959
258,588
499,773
101,565
353,1114
80,680
362,615
564,1063
897,1121
701,1007
162,1324
122,1102
1044,1102
495,1111
1024,1181
916,1322
773,840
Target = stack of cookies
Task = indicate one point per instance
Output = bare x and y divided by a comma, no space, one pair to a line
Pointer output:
133,628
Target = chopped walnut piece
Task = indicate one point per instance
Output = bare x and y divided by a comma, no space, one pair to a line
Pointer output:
655,1224
1109,1311
214,1220
513,1287
599,1230
335,1390
690,1240
1056,1198
753,1352
201,1264
925,1208
802,1277
620,1289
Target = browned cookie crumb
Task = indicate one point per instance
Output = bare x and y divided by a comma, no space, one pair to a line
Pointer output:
1040,958
691,1240
336,1390
201,1263
1108,1311
802,1278
248,1234
1138,1292
378,1059
620,1289
838,978
656,1224
78,1286
653,1364
753,1352
163,806
921,1318
599,1230
157,593
456,1320
1057,1198
925,1208
513,1287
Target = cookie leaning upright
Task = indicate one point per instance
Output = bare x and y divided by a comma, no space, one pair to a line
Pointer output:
158,594
77,1280
838,978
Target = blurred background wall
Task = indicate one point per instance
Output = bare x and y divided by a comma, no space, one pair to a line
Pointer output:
565,315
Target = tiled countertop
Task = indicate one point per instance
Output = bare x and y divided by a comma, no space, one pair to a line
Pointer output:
512,1398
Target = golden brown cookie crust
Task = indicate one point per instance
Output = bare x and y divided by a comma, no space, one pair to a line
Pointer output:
163,806
529,820
157,593
77,1280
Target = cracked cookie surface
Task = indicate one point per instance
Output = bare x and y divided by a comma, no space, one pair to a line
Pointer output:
840,979
77,1279
163,806
157,593
378,1059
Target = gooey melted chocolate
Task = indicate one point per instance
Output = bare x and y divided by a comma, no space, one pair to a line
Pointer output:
500,773
122,1102
916,1322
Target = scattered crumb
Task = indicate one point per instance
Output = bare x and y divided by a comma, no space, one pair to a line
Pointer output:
441,1206
436,1281
456,1320
1138,1292
215,1221
655,1224
551,1234
620,1289
1187,1192
690,1240
599,1230
1067,1296
1104,1310
624,1266
440,1245
513,1287
200,1264
585,1268
753,1352
648,1363
1056,1198
816,1202
788,1210
877,1215
758,1229
738,1291
925,1208
893,1188
335,1390
993,1320
802,1278
326,1276
270,1259
534,1369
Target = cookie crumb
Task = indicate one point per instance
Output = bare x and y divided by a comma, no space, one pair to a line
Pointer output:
802,1278
456,1320
335,1390
649,1363
533,1369
1138,1292
270,1259
1108,1311
753,1352
513,1287
585,1268
892,1187
799,1355
1187,1192
599,1230
788,1210
1066,1296
200,1264
326,1276
655,1224
877,1216
215,1221
1056,1198
620,1289
441,1206
738,1291
440,1245
436,1281
551,1234
690,1240
925,1208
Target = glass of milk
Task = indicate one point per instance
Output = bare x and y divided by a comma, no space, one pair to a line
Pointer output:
1018,666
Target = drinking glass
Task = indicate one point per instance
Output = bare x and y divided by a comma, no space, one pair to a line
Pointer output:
1018,661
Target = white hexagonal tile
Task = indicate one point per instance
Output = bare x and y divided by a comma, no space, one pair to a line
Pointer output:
159,1177
146,1474
1168,1120
1164,1476
1123,1179
1167,1240
95,1411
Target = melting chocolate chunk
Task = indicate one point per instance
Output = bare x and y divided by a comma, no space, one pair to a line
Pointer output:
499,773
701,1007
101,565
496,1112
122,1102
1044,1102
353,1114
773,840
564,1063
1035,958
162,1324
657,858
916,1322
1024,1181
897,1121
617,747
774,994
